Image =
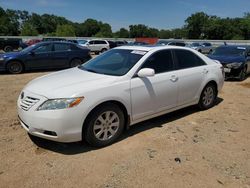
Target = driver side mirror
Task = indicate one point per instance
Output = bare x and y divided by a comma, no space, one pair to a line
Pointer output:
146,72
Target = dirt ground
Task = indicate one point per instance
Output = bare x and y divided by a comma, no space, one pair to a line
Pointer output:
187,148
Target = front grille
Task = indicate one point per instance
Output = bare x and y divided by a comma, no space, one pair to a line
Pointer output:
28,102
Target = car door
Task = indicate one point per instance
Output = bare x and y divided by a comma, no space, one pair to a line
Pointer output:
191,72
61,55
151,95
39,57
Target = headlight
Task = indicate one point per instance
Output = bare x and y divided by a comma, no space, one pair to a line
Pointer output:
234,65
56,104
1,58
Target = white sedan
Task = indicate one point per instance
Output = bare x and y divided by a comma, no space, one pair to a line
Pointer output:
96,101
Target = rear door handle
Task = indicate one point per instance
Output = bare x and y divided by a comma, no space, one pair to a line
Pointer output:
174,78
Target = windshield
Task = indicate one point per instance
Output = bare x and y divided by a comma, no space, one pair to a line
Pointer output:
115,62
237,51
29,48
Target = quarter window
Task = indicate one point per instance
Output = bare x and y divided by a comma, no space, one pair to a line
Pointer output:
187,59
160,61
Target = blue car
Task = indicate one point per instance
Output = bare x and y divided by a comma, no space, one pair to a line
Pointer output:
44,55
235,60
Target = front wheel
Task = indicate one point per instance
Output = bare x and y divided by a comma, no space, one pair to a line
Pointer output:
243,74
75,63
104,125
208,97
103,50
15,67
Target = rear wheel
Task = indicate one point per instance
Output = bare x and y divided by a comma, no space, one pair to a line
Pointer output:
75,62
104,125
243,74
15,67
208,97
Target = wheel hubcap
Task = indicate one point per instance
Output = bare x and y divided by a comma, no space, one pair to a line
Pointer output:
208,96
15,67
106,125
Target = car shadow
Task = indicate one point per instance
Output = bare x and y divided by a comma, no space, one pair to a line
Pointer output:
81,147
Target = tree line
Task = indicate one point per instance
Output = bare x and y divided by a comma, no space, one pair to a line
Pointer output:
197,26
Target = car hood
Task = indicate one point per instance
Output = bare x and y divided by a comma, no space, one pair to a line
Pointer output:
227,59
9,54
72,82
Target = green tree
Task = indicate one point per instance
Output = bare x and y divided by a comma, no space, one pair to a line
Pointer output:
196,25
90,28
65,30
122,33
105,30
28,30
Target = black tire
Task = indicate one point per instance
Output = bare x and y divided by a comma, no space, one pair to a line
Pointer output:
103,50
93,127
8,49
15,67
243,74
75,63
208,97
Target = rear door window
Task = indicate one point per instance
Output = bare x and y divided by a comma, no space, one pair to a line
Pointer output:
186,59
61,47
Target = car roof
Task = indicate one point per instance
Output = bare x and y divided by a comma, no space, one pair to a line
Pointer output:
150,47
53,42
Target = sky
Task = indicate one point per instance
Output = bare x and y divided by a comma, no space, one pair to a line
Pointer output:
160,14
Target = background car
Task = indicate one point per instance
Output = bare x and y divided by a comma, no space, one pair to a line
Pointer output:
126,85
235,60
205,47
136,43
121,42
32,41
112,44
97,46
44,55
53,39
171,42
10,44
80,42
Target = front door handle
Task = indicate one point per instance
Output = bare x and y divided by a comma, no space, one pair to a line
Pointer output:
174,78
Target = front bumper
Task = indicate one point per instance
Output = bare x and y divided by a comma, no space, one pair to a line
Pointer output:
57,125
232,72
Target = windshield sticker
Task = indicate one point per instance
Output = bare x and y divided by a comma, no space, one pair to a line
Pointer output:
138,52
241,48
